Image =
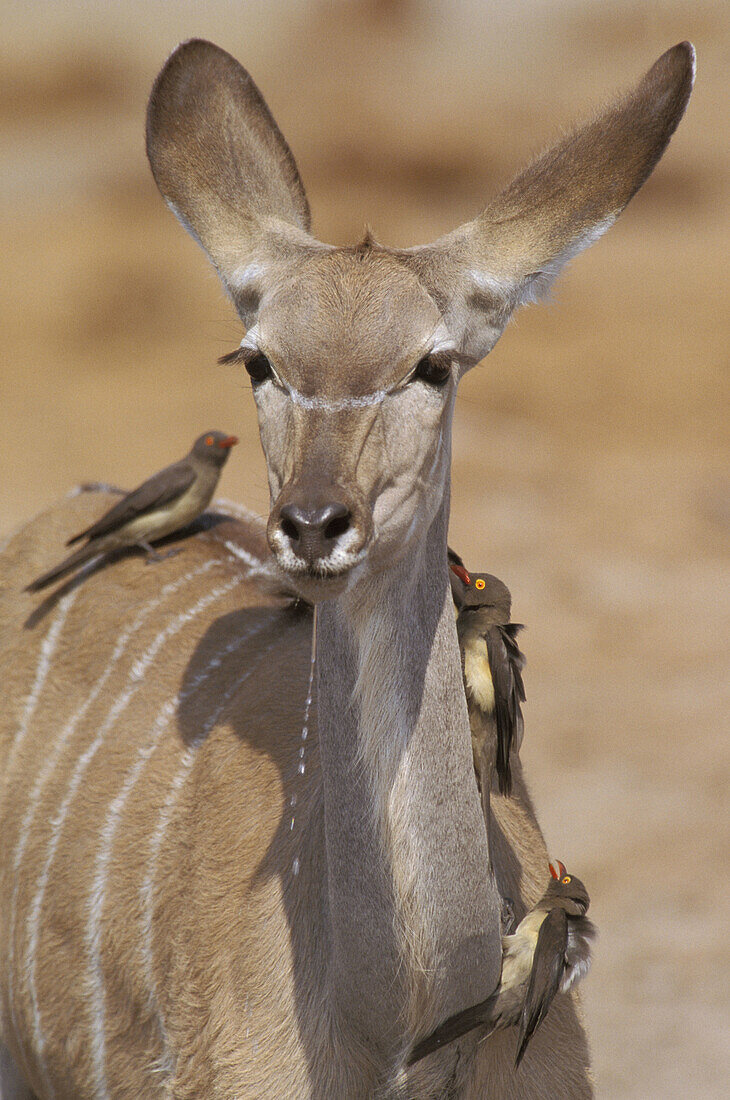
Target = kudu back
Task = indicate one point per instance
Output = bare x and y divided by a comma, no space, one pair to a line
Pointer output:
233,864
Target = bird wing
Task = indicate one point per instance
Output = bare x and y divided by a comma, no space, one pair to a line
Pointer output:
456,1026
162,488
547,970
577,952
506,663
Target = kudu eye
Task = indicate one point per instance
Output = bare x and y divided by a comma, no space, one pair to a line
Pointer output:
259,368
435,370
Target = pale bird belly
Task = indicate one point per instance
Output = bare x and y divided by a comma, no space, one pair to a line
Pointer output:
477,674
517,960
519,949
156,525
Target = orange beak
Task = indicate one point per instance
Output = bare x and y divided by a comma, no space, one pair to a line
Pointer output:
229,441
460,572
560,872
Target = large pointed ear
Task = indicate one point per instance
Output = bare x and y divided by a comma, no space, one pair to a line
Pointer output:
559,205
224,168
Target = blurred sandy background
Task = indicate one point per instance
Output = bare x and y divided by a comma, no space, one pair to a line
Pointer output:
591,452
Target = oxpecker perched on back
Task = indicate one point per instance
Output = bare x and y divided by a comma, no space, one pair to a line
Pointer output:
165,503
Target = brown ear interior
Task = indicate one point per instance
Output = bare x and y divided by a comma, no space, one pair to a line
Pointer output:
218,156
553,209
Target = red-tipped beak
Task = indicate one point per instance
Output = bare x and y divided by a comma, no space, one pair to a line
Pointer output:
560,872
460,572
229,441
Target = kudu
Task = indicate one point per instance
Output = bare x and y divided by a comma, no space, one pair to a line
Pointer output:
230,869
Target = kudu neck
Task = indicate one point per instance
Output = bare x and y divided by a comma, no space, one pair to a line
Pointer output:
413,911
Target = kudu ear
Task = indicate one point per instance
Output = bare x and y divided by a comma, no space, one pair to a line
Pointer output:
224,168
559,205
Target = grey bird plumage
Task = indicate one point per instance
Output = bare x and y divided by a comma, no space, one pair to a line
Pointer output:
492,664
550,951
166,502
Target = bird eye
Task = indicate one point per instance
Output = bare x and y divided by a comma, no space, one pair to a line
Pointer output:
435,370
566,880
209,441
259,368
480,584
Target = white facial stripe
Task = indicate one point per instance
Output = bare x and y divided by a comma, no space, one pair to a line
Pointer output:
336,404
251,339
441,341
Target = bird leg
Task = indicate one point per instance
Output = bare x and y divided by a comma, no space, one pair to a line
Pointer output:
507,917
154,555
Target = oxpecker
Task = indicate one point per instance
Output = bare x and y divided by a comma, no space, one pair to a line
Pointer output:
492,664
549,952
166,502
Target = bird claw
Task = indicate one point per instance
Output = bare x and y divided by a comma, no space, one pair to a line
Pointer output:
507,918
154,557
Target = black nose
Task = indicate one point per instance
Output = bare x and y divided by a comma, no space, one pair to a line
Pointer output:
314,532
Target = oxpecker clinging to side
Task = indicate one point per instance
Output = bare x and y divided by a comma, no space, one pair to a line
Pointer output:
492,665
549,952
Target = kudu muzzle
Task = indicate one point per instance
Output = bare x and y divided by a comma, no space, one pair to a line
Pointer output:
318,526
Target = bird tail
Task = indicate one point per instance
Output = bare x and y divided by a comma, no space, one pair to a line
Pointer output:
91,550
479,1015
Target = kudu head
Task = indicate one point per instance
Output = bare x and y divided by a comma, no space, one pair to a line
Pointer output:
355,353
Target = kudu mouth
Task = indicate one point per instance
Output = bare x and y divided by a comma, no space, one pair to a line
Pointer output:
320,532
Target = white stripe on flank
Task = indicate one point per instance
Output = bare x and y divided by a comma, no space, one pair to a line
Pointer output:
52,761
48,648
148,885
98,890
136,678
238,511
255,565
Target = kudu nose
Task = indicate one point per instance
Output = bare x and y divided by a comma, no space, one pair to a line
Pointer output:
313,532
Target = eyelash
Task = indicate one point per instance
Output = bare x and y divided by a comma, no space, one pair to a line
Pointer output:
256,363
434,370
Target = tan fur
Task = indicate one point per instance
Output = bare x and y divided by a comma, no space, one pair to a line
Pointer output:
179,916
238,941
